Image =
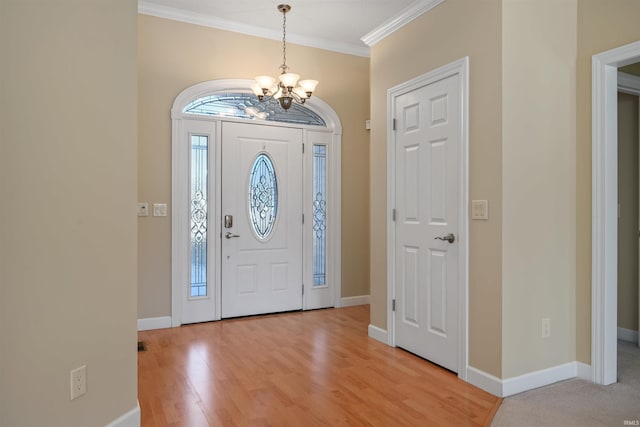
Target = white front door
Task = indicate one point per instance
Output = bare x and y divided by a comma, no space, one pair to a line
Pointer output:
426,250
261,219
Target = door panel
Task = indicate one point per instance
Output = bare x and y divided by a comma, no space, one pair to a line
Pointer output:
427,174
262,190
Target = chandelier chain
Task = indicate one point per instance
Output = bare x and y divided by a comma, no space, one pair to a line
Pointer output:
284,42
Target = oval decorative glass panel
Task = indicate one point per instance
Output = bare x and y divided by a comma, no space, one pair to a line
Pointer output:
263,196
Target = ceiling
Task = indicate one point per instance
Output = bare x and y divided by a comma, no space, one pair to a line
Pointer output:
332,25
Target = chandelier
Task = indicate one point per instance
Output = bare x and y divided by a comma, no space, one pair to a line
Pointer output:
286,88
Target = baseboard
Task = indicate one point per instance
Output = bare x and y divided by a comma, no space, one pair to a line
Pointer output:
628,335
130,419
351,301
515,385
526,382
584,371
378,334
154,323
485,381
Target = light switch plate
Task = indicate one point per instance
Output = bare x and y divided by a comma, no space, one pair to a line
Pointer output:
159,209
143,209
479,209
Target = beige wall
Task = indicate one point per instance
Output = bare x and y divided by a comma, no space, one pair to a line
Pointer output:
173,56
452,30
538,182
601,26
628,139
68,225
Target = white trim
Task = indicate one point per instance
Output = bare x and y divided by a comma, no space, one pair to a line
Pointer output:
526,382
628,335
460,67
485,381
584,371
179,272
190,17
515,385
358,300
154,323
628,83
130,419
378,334
604,195
407,15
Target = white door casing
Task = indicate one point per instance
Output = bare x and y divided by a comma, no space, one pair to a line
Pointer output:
331,136
261,273
604,209
630,84
428,192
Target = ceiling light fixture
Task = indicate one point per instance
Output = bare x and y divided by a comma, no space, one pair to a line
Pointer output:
284,89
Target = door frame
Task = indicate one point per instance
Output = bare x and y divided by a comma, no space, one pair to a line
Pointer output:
604,210
460,68
630,84
179,217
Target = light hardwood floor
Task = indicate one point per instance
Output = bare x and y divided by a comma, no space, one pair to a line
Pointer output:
314,368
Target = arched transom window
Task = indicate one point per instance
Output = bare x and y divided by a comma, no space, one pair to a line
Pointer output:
247,106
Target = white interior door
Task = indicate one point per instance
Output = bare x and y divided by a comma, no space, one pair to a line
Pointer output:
262,219
426,227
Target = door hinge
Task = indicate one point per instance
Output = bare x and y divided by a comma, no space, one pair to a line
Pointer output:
393,305
303,289
302,218
393,215
393,124
303,148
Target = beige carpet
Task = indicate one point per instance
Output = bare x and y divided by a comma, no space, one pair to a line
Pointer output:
578,402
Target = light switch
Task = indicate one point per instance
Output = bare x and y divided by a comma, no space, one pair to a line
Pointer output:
479,209
143,209
159,209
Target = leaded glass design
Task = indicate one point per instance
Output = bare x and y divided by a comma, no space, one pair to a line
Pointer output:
263,196
199,166
319,215
247,106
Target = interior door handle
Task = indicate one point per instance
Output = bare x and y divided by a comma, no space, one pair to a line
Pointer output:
230,235
449,238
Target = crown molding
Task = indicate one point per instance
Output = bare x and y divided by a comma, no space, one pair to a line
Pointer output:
148,8
410,13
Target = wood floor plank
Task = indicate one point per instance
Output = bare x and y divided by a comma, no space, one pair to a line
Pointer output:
315,368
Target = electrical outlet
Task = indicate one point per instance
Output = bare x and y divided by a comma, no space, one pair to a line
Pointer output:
546,327
78,382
